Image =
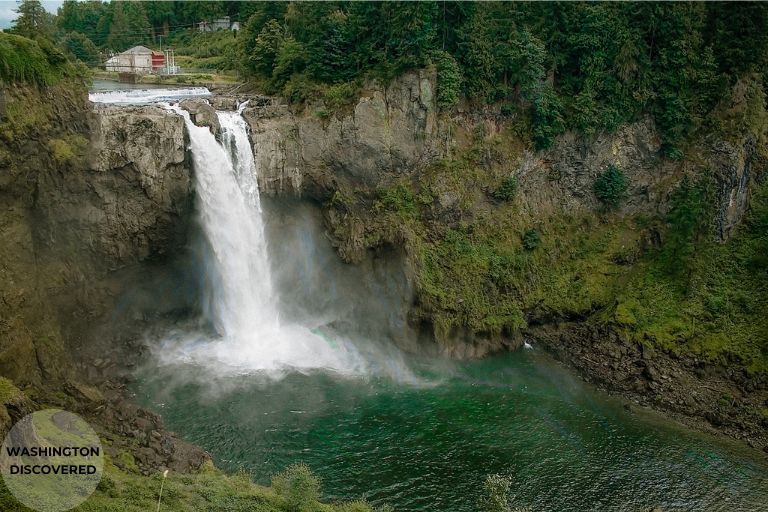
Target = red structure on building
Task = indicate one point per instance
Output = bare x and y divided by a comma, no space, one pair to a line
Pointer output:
158,61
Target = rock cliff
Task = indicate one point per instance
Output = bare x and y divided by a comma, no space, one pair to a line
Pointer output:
95,198
389,131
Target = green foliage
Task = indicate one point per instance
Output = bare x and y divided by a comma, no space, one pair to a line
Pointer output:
209,489
8,391
449,80
696,295
476,274
531,239
33,21
567,66
299,487
81,48
262,51
206,50
547,118
739,37
70,149
299,88
507,190
25,60
398,199
688,220
610,187
338,96
129,26
291,59
88,18
470,281
326,43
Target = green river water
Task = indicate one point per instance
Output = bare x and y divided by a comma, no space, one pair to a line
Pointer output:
429,446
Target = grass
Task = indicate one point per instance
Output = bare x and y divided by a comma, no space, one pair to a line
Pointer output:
27,61
8,391
716,308
209,490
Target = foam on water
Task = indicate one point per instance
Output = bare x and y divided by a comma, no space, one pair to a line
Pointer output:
145,96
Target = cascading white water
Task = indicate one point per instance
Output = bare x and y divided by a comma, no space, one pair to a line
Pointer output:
144,96
242,303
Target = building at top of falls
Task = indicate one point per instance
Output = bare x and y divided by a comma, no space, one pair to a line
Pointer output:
139,60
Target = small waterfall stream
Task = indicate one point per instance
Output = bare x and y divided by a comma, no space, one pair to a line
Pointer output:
241,302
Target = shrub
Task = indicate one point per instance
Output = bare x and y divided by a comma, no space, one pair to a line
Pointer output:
506,192
531,239
338,96
689,217
291,58
611,186
449,80
399,199
298,486
81,48
547,117
299,89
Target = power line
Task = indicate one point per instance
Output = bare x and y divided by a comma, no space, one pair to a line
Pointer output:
90,33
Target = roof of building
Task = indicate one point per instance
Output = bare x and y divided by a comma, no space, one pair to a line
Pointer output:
138,50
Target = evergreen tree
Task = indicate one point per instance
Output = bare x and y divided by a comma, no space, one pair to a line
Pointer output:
130,26
262,51
82,48
33,21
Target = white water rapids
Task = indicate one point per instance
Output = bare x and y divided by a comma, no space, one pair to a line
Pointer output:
241,300
145,96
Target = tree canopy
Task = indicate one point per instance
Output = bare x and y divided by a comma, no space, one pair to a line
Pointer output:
578,66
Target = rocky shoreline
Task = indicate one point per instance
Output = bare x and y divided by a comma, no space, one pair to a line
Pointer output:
703,396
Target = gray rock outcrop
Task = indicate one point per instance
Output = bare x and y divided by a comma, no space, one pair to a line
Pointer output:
389,131
107,206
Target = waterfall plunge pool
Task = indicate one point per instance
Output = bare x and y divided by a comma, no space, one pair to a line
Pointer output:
429,447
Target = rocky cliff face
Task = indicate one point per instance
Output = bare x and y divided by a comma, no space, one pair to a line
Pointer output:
95,200
395,131
390,131
112,199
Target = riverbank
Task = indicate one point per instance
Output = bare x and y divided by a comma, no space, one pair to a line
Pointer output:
212,81
699,394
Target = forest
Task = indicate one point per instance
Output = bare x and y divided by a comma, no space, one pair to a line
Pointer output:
568,66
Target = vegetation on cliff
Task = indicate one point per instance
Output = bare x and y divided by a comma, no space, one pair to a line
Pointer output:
29,61
585,67
488,263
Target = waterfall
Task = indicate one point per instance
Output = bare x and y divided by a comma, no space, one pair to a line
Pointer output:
242,303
